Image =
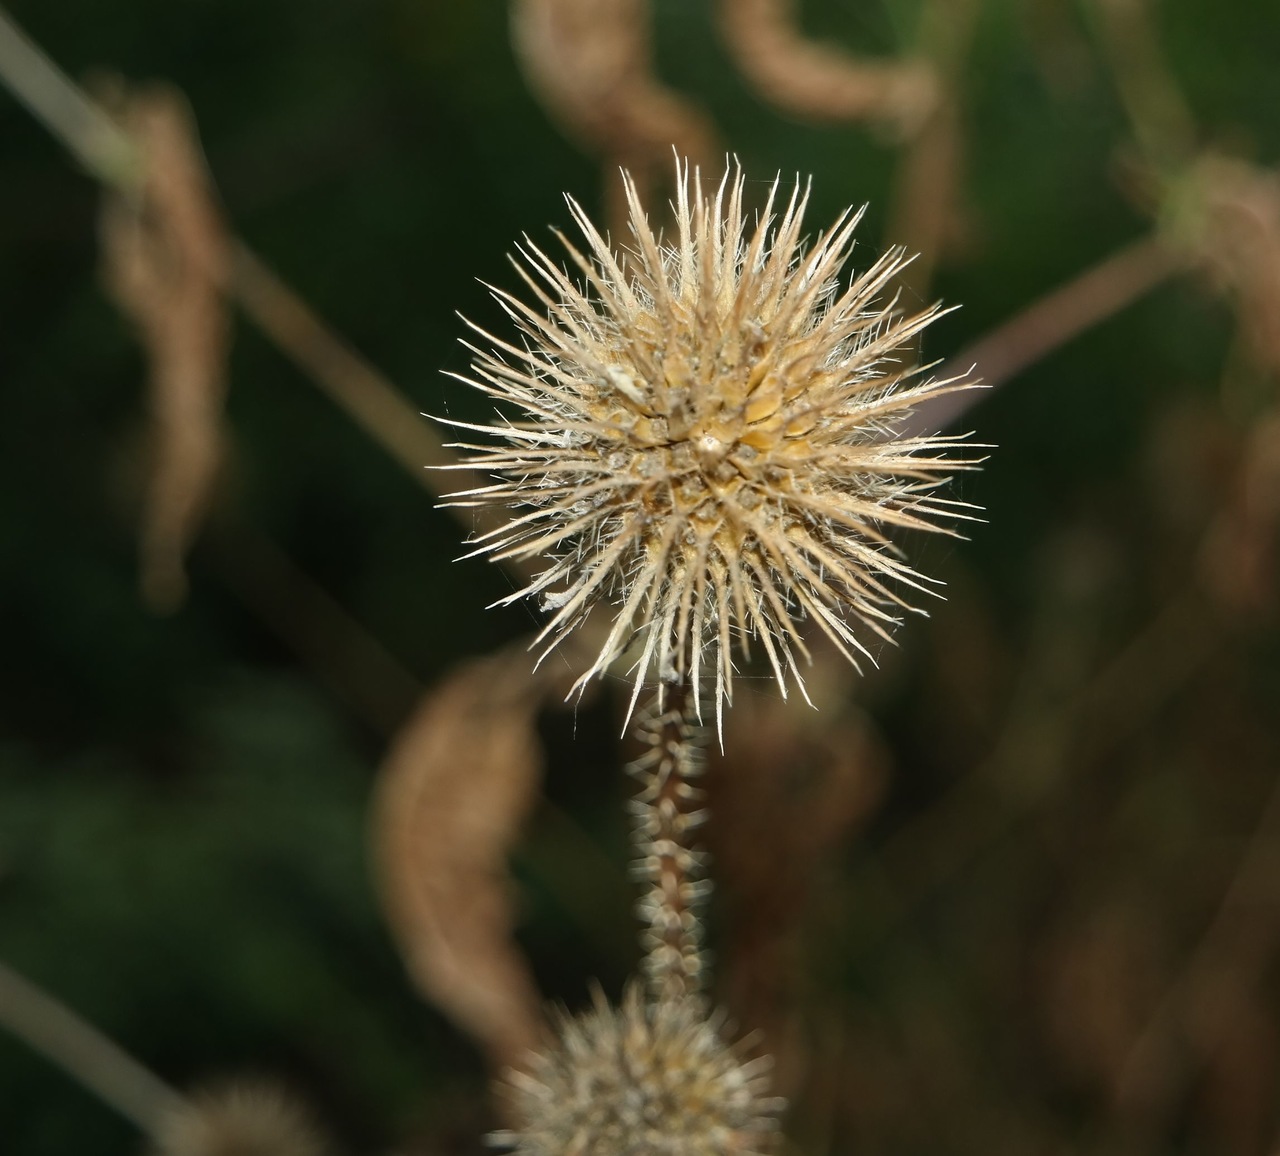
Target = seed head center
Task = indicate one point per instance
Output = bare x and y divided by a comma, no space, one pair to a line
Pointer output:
711,447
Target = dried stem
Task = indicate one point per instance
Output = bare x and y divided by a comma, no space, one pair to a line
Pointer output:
339,649
926,213
84,1053
368,398
1057,318
666,815
1162,121
84,129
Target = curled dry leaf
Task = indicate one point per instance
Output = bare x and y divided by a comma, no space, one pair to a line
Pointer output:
590,63
458,783
790,787
166,257
819,81
1229,212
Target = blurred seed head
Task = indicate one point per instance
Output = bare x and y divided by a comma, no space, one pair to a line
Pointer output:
704,438
241,1119
645,1079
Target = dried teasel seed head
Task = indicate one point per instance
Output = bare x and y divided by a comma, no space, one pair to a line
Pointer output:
247,1118
704,438
644,1079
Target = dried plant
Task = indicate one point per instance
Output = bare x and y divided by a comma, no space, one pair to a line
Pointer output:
241,1119
666,816
820,81
706,446
590,63
927,207
1227,212
167,257
647,1079
455,789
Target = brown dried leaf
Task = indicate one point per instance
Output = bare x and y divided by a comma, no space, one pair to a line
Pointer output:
790,787
590,63
166,257
820,81
454,790
1230,213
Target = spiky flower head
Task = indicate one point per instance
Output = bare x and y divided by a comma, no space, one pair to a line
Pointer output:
704,438
244,1118
645,1079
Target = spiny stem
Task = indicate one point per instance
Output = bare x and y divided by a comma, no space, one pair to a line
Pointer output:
665,816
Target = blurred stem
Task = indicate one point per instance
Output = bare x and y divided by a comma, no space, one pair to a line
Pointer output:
82,127
928,182
347,658
51,1028
86,130
665,816
1061,315
1158,113
368,398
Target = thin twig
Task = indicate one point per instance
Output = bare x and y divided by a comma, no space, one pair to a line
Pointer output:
366,396
1161,119
1058,317
84,129
929,181
338,647
51,1028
